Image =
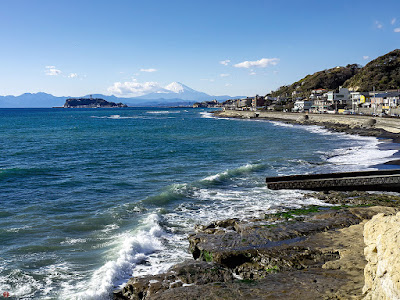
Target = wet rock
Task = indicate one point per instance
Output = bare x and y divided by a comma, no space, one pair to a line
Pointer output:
358,198
188,273
310,253
256,249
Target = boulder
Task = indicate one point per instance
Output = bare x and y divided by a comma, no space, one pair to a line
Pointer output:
370,123
303,118
382,252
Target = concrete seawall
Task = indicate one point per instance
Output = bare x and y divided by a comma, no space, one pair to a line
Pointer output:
384,180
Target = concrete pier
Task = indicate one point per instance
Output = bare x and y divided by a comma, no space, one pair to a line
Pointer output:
382,180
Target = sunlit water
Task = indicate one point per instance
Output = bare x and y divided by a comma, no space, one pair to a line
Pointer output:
90,197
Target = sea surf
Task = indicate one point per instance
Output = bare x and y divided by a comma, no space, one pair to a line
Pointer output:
92,197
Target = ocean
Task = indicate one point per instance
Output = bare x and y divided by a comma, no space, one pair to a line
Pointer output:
92,197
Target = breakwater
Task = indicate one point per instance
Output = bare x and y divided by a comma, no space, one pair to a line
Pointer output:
380,180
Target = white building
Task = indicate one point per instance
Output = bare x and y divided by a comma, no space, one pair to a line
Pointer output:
342,98
302,105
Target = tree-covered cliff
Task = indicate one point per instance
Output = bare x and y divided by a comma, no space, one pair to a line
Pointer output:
382,73
327,79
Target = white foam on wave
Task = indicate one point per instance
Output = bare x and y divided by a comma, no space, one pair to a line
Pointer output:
281,124
208,115
46,280
133,248
320,130
163,112
365,155
18,229
211,204
215,176
110,227
21,285
72,241
117,117
25,286
234,172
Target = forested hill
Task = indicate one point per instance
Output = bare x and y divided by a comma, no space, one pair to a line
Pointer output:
328,79
382,73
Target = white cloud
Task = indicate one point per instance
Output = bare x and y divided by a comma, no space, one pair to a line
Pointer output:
72,75
397,29
252,73
262,63
393,21
225,62
148,70
224,75
133,88
378,25
228,84
52,71
207,79
365,57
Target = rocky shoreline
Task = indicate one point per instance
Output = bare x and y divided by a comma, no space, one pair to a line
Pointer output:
352,124
382,128
315,252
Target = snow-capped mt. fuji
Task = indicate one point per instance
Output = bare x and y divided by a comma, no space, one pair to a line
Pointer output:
177,90
178,87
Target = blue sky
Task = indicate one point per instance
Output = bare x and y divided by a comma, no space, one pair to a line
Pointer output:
127,48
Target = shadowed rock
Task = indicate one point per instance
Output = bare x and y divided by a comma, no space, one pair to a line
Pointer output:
311,253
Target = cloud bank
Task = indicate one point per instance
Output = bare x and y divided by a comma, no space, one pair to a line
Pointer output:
378,25
148,70
262,63
52,71
133,88
225,62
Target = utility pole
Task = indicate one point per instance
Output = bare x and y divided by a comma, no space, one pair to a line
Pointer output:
374,101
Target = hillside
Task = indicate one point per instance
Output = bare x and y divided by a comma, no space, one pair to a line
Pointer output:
382,73
328,79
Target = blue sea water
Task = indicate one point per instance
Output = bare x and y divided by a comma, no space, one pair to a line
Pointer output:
91,197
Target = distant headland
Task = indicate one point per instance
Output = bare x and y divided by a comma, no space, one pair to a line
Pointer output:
91,103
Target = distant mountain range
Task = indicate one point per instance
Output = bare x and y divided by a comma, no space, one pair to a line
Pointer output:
174,94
